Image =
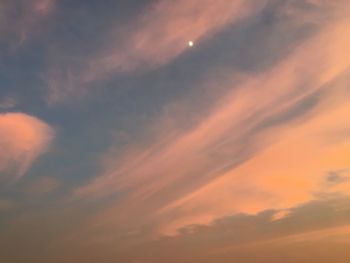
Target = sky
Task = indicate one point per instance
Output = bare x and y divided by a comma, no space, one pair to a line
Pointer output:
151,131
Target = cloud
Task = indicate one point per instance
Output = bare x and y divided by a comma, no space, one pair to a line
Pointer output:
23,139
162,32
242,238
264,146
20,18
261,171
152,39
280,215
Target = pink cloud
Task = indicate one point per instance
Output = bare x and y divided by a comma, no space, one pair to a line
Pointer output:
204,173
23,139
154,38
162,32
29,17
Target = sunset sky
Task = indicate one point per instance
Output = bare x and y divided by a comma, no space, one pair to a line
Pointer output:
174,131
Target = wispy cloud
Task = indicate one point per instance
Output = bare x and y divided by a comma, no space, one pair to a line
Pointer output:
20,18
162,32
154,38
243,146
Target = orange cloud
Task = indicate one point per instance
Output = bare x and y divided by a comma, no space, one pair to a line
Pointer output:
229,163
23,139
284,175
292,170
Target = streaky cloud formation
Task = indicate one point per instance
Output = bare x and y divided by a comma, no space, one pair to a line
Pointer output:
154,38
186,177
163,30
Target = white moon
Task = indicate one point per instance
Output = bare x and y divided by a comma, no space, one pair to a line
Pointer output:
190,43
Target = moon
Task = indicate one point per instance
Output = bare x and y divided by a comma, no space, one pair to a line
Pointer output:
190,43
